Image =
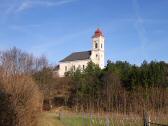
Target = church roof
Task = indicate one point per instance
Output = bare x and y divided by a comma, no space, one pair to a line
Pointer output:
77,56
98,33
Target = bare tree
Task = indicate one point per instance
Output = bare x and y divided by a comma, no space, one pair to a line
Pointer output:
14,61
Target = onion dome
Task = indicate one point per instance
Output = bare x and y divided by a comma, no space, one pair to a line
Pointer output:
98,33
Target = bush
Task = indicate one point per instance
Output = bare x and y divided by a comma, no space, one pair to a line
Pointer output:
5,110
21,100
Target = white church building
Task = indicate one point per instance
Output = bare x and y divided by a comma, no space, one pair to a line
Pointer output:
79,60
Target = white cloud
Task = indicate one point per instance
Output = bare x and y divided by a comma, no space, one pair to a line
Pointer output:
139,25
23,6
15,6
42,3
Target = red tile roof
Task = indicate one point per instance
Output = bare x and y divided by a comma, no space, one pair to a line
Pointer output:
98,33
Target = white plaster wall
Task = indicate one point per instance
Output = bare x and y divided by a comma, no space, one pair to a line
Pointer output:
70,64
100,40
99,51
99,60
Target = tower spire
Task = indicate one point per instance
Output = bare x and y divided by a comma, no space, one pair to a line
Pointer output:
98,33
98,48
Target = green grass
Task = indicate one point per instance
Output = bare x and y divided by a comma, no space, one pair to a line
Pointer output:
79,120
73,119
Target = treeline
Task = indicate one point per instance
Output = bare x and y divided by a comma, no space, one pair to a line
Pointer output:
121,87
153,74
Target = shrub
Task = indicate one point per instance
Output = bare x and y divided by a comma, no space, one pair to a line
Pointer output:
22,100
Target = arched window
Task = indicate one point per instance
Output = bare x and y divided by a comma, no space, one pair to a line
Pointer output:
74,68
65,68
96,56
96,45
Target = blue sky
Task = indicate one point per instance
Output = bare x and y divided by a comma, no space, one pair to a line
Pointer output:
135,30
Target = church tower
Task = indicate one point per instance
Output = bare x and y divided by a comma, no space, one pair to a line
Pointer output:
98,48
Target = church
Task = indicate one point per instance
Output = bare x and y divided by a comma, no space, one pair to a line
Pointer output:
79,60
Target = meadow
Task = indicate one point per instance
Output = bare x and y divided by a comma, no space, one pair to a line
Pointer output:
85,119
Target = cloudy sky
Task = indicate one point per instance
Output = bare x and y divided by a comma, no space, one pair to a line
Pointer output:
135,30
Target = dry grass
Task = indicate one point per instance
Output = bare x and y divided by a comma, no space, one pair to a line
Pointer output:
24,100
71,119
49,119
85,119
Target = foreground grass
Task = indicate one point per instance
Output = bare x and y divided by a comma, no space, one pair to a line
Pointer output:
73,119
87,120
69,119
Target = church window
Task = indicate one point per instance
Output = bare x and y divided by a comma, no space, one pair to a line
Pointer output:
65,68
96,45
101,45
96,56
74,67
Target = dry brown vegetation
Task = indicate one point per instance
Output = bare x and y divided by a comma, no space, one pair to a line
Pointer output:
24,100
20,97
